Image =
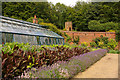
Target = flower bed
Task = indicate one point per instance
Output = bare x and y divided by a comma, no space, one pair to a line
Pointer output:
67,69
18,57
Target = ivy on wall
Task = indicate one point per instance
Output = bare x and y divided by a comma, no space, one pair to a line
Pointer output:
69,39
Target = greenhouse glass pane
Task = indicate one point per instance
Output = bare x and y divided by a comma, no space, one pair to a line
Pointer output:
3,38
30,40
42,40
51,41
23,38
26,39
61,41
38,40
56,41
9,37
34,40
46,40
17,38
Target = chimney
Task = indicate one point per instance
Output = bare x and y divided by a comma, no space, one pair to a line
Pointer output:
35,20
35,17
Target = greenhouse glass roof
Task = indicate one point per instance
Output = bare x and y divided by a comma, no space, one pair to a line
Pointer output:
11,25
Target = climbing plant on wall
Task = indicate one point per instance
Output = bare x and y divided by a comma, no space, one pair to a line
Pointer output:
117,35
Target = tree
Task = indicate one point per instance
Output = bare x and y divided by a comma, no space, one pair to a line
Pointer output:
80,14
95,25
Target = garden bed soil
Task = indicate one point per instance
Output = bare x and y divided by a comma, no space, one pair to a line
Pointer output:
107,67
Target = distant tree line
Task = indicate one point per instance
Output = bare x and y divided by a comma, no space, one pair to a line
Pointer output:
93,16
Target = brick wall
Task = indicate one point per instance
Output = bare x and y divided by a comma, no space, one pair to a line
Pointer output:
89,36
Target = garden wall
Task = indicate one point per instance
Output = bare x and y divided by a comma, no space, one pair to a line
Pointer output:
89,36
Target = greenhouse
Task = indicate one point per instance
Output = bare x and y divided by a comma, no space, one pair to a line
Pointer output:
13,30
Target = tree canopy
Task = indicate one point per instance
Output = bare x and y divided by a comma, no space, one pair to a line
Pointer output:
83,15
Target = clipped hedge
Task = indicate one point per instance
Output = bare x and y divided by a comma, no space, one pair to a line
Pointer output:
67,69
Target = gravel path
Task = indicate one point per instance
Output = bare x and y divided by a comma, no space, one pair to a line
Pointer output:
107,67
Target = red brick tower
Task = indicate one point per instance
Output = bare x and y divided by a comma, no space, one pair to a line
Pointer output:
68,26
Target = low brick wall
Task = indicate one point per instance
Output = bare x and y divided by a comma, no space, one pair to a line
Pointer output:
89,36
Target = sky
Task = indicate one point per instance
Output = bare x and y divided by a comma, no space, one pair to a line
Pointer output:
66,2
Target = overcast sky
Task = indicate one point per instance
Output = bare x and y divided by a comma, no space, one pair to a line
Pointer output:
66,2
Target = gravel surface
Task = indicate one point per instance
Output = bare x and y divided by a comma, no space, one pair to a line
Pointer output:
107,67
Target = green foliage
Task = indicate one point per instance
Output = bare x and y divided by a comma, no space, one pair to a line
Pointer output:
104,42
68,69
112,44
52,27
84,44
93,44
68,38
95,25
117,35
58,14
76,40
9,47
111,31
16,59
14,62
94,49
110,26
114,51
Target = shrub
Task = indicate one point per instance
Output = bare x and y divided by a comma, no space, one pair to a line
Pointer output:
103,42
52,27
93,44
18,57
95,25
76,39
67,69
84,44
15,60
64,29
111,31
68,38
112,44
114,51
110,26
117,35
